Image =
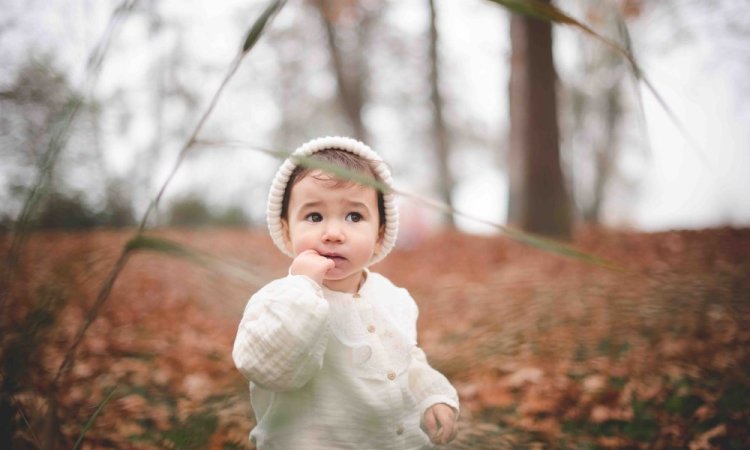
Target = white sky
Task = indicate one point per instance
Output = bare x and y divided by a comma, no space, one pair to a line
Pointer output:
708,183
680,187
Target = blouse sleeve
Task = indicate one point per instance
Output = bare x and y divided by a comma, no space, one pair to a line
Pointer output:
428,386
282,337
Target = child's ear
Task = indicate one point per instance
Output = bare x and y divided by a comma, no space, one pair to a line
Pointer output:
287,237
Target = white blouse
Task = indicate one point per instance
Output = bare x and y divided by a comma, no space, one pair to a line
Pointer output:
333,370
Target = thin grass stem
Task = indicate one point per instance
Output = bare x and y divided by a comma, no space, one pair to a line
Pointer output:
93,417
539,242
190,142
546,11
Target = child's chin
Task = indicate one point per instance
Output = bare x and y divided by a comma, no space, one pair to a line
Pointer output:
336,276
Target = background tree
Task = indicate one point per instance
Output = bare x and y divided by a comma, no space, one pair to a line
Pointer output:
538,200
348,27
32,106
81,192
441,138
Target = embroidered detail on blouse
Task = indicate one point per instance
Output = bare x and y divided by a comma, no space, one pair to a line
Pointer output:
351,318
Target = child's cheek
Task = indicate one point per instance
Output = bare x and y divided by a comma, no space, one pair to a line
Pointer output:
302,243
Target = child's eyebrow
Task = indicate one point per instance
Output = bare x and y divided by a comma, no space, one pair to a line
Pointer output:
356,204
311,204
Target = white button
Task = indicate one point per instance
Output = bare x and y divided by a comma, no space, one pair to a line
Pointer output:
391,376
371,328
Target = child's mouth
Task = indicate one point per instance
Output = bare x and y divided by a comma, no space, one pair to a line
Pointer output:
335,257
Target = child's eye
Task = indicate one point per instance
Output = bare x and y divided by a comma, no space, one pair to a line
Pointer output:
354,217
314,217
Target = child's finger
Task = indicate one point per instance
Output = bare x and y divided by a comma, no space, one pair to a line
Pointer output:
449,432
454,432
443,436
310,251
430,424
445,429
447,421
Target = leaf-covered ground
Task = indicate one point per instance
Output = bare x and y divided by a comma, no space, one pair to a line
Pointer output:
545,352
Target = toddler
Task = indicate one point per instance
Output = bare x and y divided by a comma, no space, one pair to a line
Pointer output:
331,349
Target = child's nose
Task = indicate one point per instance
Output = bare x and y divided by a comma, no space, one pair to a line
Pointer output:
333,232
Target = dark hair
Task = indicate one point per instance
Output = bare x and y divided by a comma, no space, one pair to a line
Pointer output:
339,158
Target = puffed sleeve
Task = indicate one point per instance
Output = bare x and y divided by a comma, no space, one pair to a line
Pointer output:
282,337
428,386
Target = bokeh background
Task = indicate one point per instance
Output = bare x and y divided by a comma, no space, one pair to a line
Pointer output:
163,62
139,139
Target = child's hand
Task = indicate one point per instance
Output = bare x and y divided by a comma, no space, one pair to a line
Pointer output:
439,422
311,264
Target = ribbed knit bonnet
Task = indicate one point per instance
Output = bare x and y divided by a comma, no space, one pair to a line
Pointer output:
280,181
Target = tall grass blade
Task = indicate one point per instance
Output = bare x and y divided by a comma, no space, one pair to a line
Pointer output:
26,422
93,417
189,143
635,82
260,24
159,245
92,314
222,264
342,173
250,40
542,243
546,11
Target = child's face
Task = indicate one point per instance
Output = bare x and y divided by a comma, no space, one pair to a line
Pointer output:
338,222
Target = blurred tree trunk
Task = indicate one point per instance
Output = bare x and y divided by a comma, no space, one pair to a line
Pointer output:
440,132
606,154
597,112
348,63
538,199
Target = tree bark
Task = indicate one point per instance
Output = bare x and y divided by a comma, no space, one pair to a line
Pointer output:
440,132
349,74
538,200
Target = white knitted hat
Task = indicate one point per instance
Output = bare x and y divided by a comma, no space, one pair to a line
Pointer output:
276,195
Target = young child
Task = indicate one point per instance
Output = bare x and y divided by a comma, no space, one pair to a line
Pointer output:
331,349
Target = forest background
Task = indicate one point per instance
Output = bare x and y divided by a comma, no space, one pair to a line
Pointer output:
103,108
